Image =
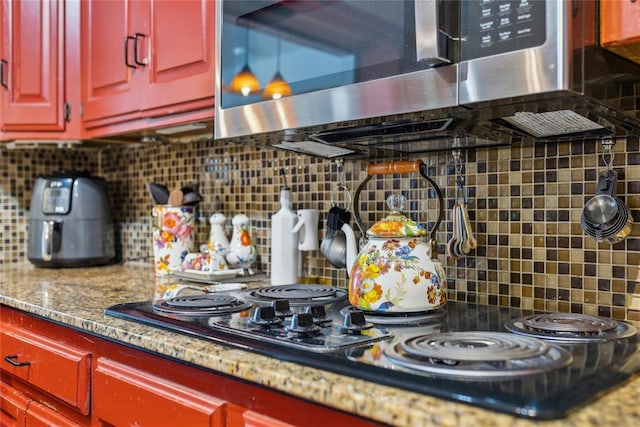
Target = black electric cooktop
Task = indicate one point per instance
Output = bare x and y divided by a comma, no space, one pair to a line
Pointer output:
503,359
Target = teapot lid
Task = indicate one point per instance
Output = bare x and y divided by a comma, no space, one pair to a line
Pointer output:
396,224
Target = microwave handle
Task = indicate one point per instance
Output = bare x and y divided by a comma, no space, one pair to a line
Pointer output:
428,46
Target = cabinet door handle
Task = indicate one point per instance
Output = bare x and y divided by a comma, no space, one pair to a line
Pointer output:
135,48
126,51
3,82
13,359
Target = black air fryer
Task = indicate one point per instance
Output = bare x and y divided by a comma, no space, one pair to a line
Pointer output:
70,222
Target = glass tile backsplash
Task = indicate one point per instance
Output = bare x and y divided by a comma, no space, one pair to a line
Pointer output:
525,204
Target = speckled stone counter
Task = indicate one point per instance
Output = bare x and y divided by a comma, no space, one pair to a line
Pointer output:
78,297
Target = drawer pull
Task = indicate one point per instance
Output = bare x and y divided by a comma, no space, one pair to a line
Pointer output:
12,358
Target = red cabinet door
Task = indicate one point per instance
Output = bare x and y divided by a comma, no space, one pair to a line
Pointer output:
32,91
13,406
123,395
181,67
146,58
242,417
41,416
109,83
620,28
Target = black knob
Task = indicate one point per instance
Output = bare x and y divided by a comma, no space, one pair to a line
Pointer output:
354,323
282,308
265,316
302,323
318,313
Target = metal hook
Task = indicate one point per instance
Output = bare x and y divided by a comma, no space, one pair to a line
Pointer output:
339,167
341,186
607,150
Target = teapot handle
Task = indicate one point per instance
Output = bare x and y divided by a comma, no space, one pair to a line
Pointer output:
399,168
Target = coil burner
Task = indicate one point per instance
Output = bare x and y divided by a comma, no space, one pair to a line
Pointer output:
201,305
401,319
478,355
298,295
570,327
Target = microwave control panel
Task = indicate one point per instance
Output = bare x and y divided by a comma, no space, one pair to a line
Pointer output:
492,27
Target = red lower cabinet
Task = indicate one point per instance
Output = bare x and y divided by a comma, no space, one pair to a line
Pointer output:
13,406
52,375
42,416
55,368
242,417
127,396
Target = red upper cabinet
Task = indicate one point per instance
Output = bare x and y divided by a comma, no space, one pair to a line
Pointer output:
146,58
108,82
181,58
620,28
32,92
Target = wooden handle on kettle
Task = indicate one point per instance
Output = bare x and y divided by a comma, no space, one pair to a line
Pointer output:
390,168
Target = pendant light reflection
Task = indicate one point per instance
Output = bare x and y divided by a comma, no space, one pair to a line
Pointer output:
245,82
278,86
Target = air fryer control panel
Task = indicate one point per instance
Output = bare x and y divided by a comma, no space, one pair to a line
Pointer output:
57,196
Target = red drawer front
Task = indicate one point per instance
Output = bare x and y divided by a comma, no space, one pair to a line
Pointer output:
124,396
58,369
13,406
40,416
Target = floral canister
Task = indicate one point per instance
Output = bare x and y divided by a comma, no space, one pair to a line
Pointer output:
173,228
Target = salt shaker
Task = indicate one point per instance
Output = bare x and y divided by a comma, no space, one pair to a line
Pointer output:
218,241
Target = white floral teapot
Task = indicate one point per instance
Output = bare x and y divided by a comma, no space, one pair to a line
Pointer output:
396,269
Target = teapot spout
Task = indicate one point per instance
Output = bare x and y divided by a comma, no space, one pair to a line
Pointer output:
352,250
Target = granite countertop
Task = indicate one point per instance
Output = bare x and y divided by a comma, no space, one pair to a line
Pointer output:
78,297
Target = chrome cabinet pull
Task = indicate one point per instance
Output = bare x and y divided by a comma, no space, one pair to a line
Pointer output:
13,359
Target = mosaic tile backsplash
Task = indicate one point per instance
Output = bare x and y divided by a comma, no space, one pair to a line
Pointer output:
525,204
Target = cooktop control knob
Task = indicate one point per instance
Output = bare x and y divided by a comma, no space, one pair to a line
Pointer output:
302,324
265,317
319,314
354,323
282,308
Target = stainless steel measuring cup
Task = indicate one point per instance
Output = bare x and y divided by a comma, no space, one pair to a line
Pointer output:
603,207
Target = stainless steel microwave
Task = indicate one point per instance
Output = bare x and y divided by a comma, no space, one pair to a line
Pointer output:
343,61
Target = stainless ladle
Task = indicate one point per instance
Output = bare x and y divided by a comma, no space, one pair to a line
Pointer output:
334,243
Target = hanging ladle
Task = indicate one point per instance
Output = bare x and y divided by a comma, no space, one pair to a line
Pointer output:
334,244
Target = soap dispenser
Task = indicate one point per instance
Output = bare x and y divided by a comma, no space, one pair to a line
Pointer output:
284,242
